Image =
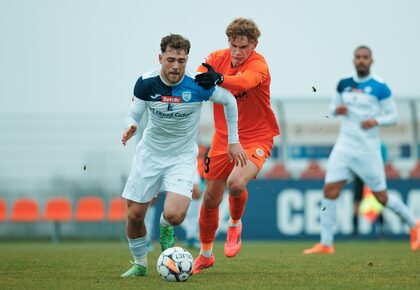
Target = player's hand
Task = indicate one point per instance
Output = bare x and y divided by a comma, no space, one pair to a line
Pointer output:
237,154
128,133
209,79
370,123
341,110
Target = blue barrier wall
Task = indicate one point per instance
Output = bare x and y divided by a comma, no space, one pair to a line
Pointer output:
290,209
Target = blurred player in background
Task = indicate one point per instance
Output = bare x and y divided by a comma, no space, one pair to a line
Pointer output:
166,155
358,189
365,102
244,72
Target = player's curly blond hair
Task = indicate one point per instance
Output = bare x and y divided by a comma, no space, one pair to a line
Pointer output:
243,27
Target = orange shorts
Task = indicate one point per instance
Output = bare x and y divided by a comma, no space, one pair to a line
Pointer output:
219,166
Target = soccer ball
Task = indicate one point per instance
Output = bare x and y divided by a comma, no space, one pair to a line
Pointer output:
175,264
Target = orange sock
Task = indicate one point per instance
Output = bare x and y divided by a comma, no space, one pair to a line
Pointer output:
237,206
209,221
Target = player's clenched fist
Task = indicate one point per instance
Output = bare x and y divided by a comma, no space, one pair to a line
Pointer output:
128,133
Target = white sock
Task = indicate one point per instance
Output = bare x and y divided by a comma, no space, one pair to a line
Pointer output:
328,217
206,253
397,206
138,248
149,222
163,221
237,224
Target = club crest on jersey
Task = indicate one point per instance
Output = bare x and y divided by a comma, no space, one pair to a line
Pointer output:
186,96
259,152
368,90
171,99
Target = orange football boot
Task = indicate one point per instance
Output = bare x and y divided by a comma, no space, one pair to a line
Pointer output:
319,249
202,263
233,241
415,237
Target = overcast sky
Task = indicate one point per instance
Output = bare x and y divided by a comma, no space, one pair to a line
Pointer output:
85,55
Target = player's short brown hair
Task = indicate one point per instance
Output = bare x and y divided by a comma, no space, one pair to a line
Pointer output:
175,41
243,27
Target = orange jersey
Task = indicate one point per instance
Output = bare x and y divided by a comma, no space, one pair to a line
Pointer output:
250,84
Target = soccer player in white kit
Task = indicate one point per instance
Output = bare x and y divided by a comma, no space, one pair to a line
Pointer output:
365,103
166,155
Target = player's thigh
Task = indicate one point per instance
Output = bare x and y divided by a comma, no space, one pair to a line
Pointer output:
176,204
338,168
240,176
370,168
145,178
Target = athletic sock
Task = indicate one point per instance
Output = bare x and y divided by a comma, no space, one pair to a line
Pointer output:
206,250
163,221
397,206
234,223
237,205
328,217
138,248
209,221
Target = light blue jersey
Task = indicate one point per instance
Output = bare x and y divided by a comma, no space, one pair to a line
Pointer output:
367,98
174,112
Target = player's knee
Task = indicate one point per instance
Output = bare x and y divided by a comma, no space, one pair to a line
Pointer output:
382,197
134,217
211,201
175,217
236,187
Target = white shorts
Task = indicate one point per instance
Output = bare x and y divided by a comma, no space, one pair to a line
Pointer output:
369,166
152,173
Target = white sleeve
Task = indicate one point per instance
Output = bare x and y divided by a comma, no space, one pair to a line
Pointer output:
390,113
135,112
335,101
224,97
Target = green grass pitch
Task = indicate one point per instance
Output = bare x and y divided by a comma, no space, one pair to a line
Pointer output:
259,265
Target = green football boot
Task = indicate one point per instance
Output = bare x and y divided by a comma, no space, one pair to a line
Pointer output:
135,271
167,237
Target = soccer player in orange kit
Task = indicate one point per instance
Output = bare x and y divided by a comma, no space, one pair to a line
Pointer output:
244,72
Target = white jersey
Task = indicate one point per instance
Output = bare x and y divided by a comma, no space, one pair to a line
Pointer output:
367,98
174,112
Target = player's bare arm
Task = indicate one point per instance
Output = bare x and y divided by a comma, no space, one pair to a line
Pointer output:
367,124
341,110
132,121
128,133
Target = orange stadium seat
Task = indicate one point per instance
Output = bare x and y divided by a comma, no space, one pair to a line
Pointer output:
313,171
58,209
278,171
415,172
90,209
3,210
391,172
25,210
117,209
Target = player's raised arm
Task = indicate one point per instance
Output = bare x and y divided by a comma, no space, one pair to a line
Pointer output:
235,151
132,121
250,78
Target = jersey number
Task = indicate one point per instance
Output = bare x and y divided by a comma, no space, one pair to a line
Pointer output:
207,162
